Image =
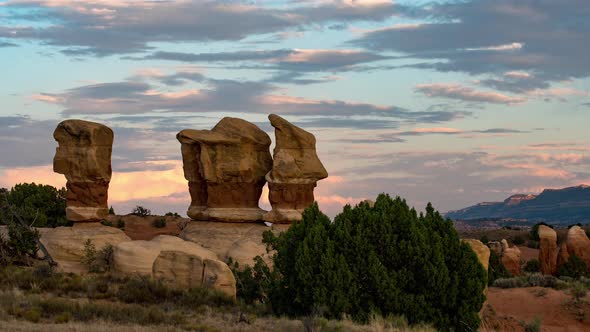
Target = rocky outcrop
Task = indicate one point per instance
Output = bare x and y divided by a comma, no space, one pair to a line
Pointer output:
563,256
66,244
239,241
84,157
180,264
295,171
481,250
496,247
511,258
578,243
225,168
547,250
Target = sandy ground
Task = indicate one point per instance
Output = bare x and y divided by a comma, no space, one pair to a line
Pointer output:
516,305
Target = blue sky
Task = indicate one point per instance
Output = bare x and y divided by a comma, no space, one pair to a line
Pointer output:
453,102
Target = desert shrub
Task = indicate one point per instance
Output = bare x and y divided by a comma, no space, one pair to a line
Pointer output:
510,283
496,269
533,326
141,211
529,280
107,223
19,245
534,232
385,260
518,240
112,211
532,244
121,223
484,239
97,261
252,282
159,223
578,291
532,266
574,267
172,214
39,205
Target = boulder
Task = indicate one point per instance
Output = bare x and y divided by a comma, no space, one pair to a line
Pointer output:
295,171
240,241
225,168
547,250
84,157
66,244
481,250
496,247
511,258
578,243
137,257
181,270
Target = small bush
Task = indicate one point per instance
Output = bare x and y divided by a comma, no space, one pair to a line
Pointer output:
121,223
107,223
532,244
532,266
518,240
159,223
62,318
484,239
578,291
97,261
111,211
496,269
141,211
533,326
172,214
574,267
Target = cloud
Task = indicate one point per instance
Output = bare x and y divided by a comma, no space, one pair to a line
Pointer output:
102,28
6,44
457,91
493,37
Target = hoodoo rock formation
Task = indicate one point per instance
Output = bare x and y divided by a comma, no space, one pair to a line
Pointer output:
295,171
225,168
84,157
511,258
547,250
578,244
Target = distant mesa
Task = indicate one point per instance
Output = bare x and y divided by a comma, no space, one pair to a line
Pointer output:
84,157
558,206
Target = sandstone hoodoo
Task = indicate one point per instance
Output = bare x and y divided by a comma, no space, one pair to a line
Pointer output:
84,157
511,258
578,243
225,168
295,171
547,250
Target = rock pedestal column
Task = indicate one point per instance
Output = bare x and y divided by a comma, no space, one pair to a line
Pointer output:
225,168
295,172
84,157
547,250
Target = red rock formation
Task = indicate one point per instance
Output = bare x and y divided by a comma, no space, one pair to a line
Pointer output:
547,250
295,172
578,244
511,258
84,157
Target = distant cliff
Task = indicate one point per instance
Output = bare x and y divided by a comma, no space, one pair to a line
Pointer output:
560,206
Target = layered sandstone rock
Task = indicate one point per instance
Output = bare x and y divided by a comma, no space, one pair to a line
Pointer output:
225,168
563,256
578,243
547,250
137,257
295,171
84,157
511,258
239,241
66,244
182,270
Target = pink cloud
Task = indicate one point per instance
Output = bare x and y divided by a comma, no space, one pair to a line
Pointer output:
457,91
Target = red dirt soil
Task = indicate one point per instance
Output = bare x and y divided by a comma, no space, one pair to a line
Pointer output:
516,305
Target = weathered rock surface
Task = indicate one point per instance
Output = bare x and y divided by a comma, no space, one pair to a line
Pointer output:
84,157
511,258
66,244
225,168
240,241
563,256
295,171
182,270
496,247
483,255
547,250
137,257
178,263
578,243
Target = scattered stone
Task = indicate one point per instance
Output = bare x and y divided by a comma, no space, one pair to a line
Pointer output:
547,250
295,171
225,168
84,157
66,244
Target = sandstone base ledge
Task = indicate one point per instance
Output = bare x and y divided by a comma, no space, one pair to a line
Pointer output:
87,214
241,215
66,244
283,216
240,241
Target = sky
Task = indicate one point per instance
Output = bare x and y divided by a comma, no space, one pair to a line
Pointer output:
449,102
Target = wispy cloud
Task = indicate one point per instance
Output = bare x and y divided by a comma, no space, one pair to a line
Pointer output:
457,91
